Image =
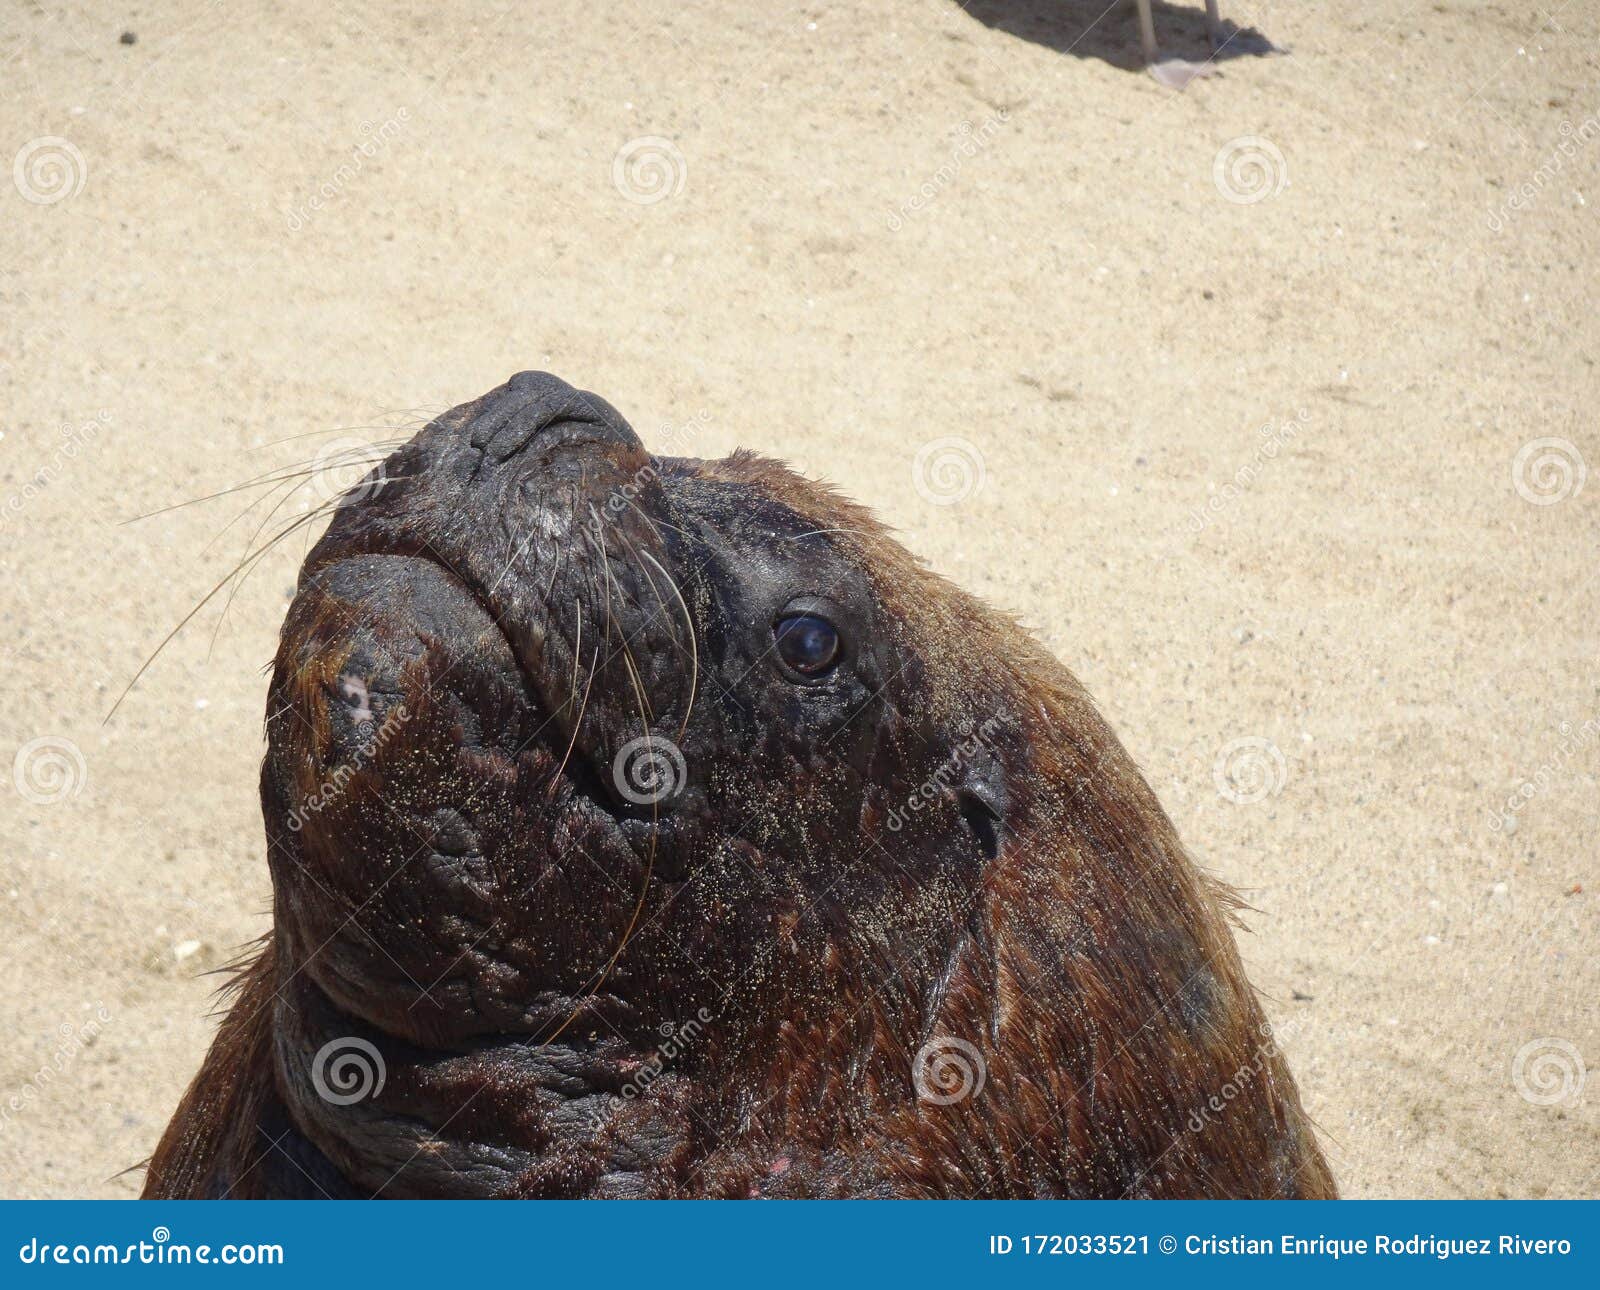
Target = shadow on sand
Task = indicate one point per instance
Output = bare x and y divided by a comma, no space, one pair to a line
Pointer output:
1109,31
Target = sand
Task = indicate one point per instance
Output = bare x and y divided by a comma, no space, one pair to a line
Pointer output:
1276,399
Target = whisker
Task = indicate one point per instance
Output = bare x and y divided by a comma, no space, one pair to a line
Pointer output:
299,470
650,860
255,502
404,423
245,565
265,520
577,723
638,907
257,482
694,641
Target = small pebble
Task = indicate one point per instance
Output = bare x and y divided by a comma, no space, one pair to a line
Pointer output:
128,38
185,949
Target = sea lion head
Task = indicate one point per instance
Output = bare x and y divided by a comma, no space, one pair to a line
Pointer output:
643,823
568,739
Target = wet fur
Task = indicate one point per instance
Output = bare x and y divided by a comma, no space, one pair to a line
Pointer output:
1040,909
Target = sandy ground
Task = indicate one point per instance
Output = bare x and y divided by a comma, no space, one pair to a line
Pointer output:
1284,448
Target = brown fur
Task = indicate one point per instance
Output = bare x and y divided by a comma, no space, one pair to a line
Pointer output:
1040,909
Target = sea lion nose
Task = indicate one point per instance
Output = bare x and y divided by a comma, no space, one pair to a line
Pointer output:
541,411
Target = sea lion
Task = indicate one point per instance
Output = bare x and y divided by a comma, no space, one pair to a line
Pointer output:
654,827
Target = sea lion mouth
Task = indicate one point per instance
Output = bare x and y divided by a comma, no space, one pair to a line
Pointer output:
476,770
478,722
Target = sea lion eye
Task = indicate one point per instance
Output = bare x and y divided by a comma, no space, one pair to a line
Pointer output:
807,643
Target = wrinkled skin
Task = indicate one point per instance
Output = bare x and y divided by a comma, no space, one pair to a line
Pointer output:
720,985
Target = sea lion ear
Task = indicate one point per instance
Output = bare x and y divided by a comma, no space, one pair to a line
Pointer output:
984,800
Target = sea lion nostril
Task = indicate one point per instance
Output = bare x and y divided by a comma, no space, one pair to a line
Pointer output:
536,408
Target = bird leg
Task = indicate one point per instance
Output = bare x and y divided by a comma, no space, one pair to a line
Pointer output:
1175,73
1147,31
